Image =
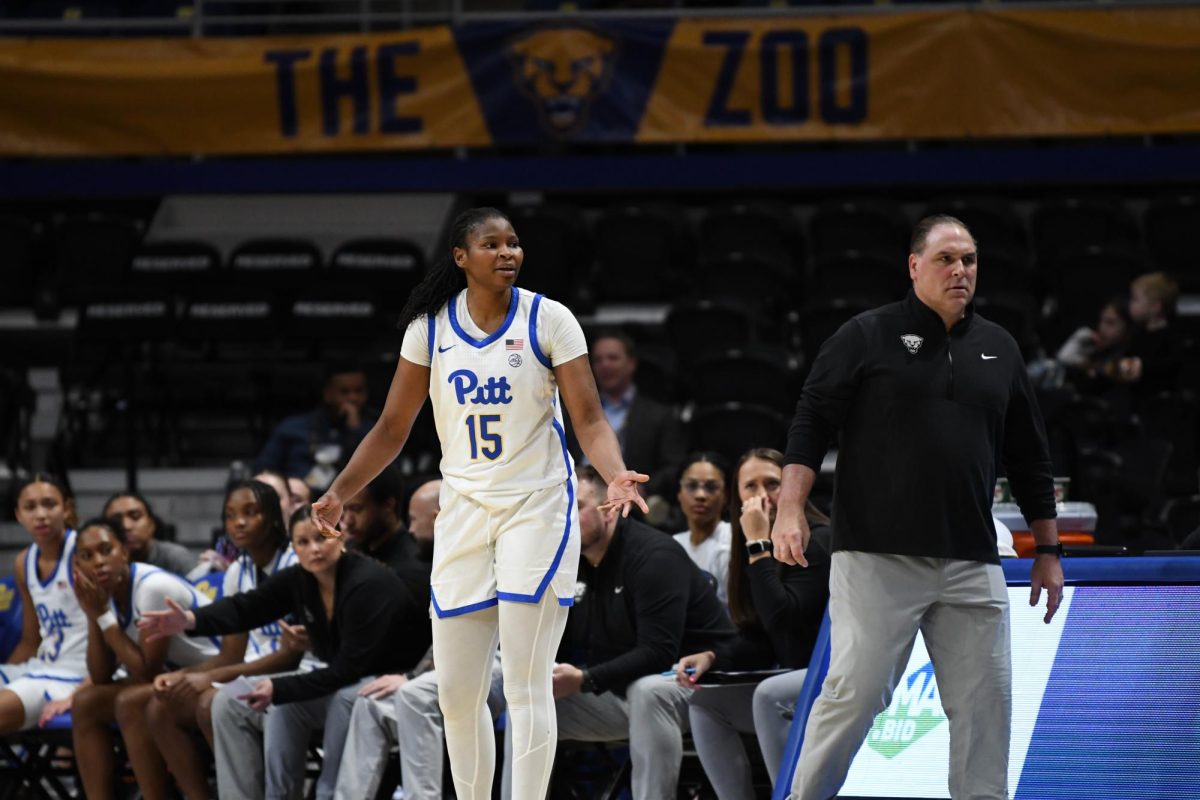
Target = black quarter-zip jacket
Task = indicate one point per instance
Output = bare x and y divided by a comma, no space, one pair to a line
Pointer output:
927,417
640,609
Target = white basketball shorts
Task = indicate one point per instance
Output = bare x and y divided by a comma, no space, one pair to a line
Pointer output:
512,547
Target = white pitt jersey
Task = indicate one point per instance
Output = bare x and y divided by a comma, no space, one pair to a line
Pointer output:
61,622
149,588
495,398
242,576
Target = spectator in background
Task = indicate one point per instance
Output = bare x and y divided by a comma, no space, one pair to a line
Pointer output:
361,621
1153,359
299,495
701,497
423,508
640,604
1090,355
279,482
371,521
142,526
777,610
651,437
116,594
314,445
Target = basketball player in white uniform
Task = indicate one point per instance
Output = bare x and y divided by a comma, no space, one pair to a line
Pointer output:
114,594
50,609
493,359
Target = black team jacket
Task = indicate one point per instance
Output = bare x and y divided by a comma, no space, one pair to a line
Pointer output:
378,627
640,609
926,418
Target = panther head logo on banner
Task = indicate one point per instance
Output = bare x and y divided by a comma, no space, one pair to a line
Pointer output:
563,70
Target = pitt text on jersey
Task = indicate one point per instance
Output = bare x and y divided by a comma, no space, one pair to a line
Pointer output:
496,391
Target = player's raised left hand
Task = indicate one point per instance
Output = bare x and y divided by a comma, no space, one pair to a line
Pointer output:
623,492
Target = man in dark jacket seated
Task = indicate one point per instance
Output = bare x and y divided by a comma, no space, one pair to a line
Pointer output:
640,604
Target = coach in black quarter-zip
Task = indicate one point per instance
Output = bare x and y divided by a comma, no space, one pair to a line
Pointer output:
930,399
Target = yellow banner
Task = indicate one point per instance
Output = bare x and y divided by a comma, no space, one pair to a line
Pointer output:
954,74
979,73
183,96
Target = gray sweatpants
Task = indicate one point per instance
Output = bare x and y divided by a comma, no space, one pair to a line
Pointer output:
411,718
877,603
720,714
653,716
261,756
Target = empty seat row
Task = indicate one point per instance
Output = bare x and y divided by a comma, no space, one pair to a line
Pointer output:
647,252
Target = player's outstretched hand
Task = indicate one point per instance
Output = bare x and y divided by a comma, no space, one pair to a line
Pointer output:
326,513
623,492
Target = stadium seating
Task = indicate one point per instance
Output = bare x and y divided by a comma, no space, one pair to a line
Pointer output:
642,253
19,242
1171,225
556,244
863,225
92,252
728,428
386,270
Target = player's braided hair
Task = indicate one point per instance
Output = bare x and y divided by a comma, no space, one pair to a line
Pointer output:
444,279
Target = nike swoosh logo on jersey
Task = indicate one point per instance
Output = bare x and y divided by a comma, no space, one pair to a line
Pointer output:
444,349
987,358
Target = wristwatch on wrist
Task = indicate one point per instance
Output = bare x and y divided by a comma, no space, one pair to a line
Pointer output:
1055,549
589,683
758,546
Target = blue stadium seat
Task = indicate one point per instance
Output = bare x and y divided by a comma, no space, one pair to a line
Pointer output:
10,616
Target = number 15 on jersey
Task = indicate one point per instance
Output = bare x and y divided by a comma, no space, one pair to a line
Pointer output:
484,440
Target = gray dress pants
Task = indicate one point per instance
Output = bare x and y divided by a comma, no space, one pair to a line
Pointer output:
720,714
877,603
261,756
412,719
653,716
